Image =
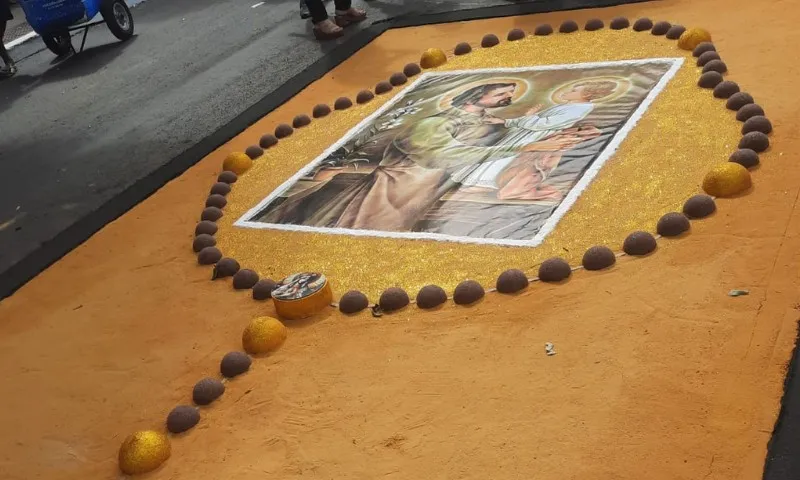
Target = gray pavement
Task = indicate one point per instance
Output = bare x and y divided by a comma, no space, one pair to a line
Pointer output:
75,133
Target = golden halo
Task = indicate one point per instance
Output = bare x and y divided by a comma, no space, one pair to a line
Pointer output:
623,85
522,88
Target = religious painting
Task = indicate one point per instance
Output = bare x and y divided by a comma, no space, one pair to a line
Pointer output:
298,285
486,156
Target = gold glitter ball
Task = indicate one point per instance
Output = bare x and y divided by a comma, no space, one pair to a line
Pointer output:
143,452
432,58
237,162
263,335
693,37
727,180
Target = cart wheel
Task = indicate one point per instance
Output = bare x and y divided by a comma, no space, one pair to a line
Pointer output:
58,43
118,18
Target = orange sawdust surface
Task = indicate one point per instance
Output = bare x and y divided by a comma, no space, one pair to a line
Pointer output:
658,374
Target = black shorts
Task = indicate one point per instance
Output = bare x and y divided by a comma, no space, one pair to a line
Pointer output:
5,11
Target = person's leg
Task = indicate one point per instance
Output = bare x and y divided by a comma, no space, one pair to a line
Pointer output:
10,67
346,14
317,10
324,28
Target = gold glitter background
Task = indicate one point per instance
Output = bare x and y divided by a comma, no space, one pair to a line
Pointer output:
659,164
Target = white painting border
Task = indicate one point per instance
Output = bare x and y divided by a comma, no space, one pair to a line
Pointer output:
552,221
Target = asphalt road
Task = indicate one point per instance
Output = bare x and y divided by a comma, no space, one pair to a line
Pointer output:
75,133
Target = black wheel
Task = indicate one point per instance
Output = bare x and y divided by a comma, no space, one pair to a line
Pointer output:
58,43
118,17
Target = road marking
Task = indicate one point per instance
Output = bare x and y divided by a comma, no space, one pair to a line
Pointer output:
258,4
20,40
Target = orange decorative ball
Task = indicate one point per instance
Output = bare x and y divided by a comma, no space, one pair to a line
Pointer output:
143,452
726,180
432,58
693,37
263,335
237,162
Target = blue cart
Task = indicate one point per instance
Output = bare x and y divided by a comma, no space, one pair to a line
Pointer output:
53,20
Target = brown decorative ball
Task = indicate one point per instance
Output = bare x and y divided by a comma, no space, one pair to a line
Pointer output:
205,227
699,206
511,281
748,111
672,224
383,87
489,40
661,28
216,200
283,130
207,390
353,302
342,103
619,23
639,243
411,69
320,110
234,363
227,177
709,80
254,151
593,25
702,48
745,157
209,256
431,296
268,141
715,66
393,299
364,96
675,32
706,57
226,267
211,214
300,121
757,123
725,89
739,100
467,292
543,30
756,141
515,34
262,290
244,279
598,257
182,418
462,48
220,188
554,270
202,241
398,78
568,26
642,25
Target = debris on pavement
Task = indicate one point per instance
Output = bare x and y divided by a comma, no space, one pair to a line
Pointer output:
549,349
738,293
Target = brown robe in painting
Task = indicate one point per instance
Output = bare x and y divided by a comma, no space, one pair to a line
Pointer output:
412,175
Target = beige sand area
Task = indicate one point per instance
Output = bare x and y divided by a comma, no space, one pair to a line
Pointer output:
659,374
